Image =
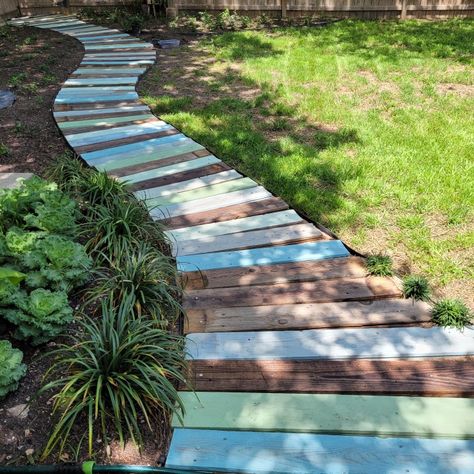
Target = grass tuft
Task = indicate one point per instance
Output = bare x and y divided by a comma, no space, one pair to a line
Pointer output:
451,313
379,265
416,287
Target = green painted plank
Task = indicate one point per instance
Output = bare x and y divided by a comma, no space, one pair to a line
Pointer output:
306,453
103,122
322,413
206,191
236,225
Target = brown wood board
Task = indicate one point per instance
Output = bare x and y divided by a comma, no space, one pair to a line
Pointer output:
450,377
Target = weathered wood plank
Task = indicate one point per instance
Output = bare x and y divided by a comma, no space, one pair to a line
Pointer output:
108,62
347,343
304,453
437,377
264,256
318,291
351,267
325,413
238,211
210,203
210,190
109,112
188,185
95,98
384,312
71,126
265,221
101,81
109,70
282,235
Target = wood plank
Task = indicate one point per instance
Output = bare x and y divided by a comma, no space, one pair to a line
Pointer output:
94,89
238,211
305,453
328,413
169,170
208,204
197,183
280,273
282,235
100,112
91,99
347,343
437,377
210,190
109,70
384,312
96,105
264,256
264,221
318,291
108,62
152,164
72,126
124,80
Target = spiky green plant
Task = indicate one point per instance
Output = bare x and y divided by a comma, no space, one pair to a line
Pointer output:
379,265
118,369
148,276
416,287
451,312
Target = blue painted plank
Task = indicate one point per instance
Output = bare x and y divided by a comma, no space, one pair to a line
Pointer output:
124,54
171,169
92,38
309,251
115,133
94,89
96,98
101,81
88,47
111,110
109,70
106,62
305,453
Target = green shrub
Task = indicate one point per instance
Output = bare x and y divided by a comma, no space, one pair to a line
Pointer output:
119,369
416,287
39,316
11,368
452,313
379,265
148,276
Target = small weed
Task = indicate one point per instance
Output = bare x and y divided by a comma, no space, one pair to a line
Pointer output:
4,150
452,313
30,88
379,265
17,79
416,287
30,40
280,124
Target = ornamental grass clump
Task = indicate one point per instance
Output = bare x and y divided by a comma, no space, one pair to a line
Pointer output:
117,370
451,313
146,275
379,265
416,287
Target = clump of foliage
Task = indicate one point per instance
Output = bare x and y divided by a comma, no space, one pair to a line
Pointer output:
147,276
416,287
11,368
379,265
451,312
39,316
120,368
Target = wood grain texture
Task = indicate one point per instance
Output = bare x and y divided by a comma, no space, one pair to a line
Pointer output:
330,413
272,204
450,377
386,312
283,235
350,267
303,453
319,344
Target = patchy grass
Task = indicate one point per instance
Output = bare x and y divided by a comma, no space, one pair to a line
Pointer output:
364,126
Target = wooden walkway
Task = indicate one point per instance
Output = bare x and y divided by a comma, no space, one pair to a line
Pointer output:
300,361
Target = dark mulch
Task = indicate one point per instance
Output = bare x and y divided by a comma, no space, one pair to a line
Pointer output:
33,63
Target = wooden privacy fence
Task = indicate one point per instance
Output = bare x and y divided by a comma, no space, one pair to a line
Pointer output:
9,8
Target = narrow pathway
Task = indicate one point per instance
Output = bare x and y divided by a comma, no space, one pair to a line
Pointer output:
300,361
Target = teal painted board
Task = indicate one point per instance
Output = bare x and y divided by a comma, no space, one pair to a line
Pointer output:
108,70
106,62
123,54
116,133
210,203
171,169
182,186
130,150
111,110
305,453
111,37
104,121
94,90
335,344
309,251
88,47
236,225
96,98
206,191
379,415
101,81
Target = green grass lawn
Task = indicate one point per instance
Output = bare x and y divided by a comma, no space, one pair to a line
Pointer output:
366,127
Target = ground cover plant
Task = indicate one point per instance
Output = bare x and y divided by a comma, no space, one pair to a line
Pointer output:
363,126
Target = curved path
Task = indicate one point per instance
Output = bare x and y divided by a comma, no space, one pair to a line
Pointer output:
300,361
